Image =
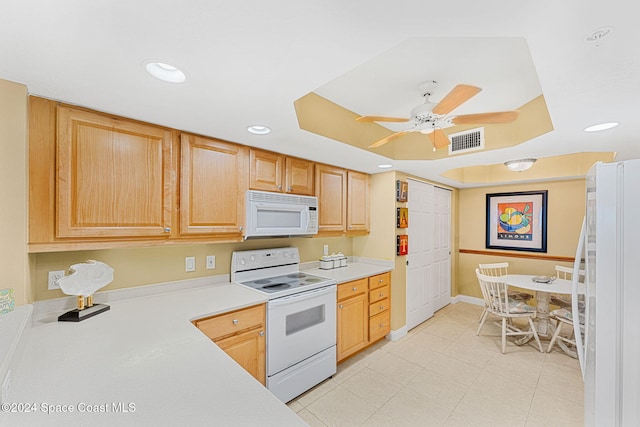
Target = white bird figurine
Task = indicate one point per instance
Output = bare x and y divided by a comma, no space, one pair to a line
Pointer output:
85,279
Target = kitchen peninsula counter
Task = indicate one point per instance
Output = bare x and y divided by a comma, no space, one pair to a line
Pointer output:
140,363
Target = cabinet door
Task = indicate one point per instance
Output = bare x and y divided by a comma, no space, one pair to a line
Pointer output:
331,190
358,207
352,325
213,183
266,170
248,349
299,176
114,177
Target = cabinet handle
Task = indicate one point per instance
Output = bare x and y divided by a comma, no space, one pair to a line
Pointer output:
340,306
350,227
261,333
290,189
240,228
381,294
167,230
379,280
381,307
279,187
354,289
235,321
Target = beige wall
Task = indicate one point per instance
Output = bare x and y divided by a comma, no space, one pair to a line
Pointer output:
148,265
566,201
381,242
14,261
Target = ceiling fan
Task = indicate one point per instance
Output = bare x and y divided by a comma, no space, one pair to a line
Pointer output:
430,118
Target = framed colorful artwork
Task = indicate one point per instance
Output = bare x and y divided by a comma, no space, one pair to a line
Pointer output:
402,190
402,244
402,217
517,221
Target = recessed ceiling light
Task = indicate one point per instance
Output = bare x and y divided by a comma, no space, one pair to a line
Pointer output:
385,166
165,72
258,129
601,126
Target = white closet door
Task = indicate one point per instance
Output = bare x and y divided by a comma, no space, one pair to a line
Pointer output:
421,254
442,249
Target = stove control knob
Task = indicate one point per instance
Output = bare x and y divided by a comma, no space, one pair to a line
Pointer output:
253,258
242,261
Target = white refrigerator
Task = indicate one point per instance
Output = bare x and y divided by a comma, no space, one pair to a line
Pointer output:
609,349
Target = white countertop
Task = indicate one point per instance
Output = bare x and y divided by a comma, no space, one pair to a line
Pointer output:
142,354
353,271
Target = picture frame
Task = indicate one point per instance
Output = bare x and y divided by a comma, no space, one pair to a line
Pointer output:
402,244
402,191
517,221
402,217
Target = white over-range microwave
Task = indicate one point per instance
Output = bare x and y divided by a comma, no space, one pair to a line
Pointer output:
280,215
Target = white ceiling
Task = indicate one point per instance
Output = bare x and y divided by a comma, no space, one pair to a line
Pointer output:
248,61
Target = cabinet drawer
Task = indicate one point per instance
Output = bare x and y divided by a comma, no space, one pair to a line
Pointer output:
378,307
349,289
379,326
378,294
379,280
233,322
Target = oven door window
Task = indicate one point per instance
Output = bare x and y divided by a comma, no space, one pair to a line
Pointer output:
302,320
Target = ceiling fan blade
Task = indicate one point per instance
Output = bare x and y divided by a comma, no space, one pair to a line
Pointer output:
459,95
381,119
439,138
388,138
486,118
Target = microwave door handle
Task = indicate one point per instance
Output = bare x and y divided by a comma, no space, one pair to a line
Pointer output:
302,296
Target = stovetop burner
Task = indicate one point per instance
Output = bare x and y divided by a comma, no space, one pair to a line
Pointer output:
274,272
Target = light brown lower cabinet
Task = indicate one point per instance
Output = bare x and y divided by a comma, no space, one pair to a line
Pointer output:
364,313
240,334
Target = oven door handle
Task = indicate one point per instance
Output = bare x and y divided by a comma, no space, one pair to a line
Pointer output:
302,296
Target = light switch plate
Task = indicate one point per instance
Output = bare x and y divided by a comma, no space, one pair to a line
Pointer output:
190,264
211,262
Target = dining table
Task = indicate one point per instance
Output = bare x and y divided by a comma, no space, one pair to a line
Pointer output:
543,291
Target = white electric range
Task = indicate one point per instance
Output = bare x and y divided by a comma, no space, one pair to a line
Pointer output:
301,318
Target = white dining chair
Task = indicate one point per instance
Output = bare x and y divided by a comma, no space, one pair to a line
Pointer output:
497,302
562,272
500,269
564,317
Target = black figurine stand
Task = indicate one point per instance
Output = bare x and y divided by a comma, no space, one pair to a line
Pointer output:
77,315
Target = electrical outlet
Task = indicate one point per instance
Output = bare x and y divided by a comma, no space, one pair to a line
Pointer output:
190,264
53,276
211,262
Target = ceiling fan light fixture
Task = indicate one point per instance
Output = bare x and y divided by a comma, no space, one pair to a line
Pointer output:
258,129
165,72
601,126
520,165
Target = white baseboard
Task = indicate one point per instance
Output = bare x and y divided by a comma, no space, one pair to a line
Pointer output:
397,334
467,299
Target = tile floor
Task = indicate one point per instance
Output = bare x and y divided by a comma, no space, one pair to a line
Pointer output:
442,374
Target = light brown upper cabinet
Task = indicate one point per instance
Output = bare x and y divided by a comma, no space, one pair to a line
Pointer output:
271,171
113,177
213,183
358,202
343,200
331,190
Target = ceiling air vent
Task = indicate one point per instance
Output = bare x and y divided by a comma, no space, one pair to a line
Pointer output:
468,140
